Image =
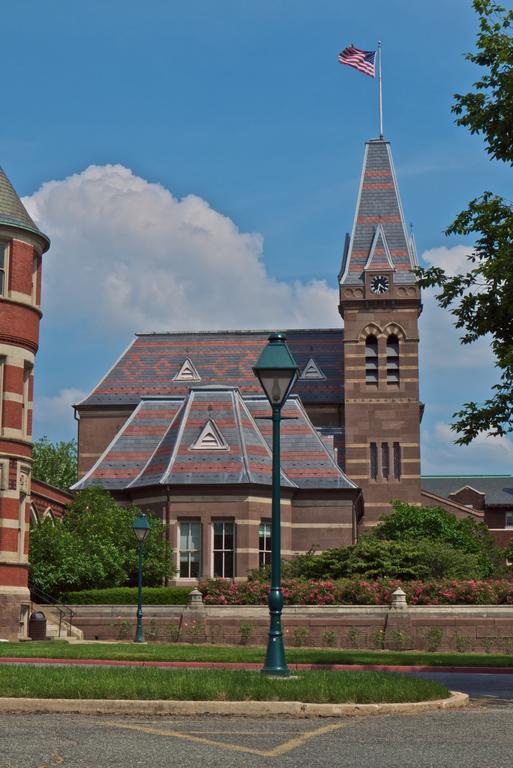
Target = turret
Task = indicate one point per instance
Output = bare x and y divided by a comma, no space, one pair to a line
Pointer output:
22,245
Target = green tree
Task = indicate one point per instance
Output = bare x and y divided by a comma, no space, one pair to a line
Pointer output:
94,546
410,543
55,463
481,300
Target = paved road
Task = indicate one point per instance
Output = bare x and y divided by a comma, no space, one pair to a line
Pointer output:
476,685
481,737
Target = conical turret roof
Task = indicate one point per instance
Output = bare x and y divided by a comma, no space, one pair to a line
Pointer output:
12,210
379,238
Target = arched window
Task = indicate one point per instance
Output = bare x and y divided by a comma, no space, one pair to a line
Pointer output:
392,359
34,520
371,360
48,515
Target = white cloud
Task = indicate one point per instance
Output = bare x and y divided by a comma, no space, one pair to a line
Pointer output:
453,260
128,256
440,341
53,415
485,454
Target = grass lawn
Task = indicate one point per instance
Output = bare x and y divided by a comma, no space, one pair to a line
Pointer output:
213,685
175,652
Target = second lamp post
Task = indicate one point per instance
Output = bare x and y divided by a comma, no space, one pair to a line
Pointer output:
141,529
277,372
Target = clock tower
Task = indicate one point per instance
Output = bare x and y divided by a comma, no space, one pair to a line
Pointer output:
380,304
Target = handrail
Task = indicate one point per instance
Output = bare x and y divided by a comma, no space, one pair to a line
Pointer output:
43,597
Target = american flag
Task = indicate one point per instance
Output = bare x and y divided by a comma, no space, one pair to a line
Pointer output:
363,61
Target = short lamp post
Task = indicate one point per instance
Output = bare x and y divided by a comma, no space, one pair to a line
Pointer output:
277,372
141,529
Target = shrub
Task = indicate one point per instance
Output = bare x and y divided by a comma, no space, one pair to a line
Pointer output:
362,592
128,596
94,546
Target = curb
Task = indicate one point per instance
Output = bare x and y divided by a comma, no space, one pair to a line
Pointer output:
238,708
294,667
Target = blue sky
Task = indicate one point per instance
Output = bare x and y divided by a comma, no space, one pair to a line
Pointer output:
226,145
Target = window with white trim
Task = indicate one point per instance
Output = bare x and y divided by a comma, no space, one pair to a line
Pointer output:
4,256
2,374
264,543
224,549
35,265
508,520
189,549
27,372
21,526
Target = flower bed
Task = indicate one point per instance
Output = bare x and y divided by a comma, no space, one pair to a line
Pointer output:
361,592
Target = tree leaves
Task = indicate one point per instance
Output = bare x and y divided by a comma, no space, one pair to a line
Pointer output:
481,300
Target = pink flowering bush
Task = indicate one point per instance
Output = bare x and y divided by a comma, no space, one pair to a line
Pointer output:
361,592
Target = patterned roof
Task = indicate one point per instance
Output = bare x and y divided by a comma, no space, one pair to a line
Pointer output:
378,205
498,489
158,445
12,210
222,358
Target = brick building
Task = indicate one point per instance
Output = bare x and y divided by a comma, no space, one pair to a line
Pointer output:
22,245
178,425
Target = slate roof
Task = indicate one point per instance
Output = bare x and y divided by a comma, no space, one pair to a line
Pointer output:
12,210
156,446
378,204
498,489
147,368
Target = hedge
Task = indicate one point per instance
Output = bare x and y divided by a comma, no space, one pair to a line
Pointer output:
128,596
361,592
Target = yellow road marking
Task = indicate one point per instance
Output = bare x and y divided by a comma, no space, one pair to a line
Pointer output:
281,749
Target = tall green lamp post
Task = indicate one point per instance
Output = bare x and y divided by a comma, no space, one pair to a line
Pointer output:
141,529
277,372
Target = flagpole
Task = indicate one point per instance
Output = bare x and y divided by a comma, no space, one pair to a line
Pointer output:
380,94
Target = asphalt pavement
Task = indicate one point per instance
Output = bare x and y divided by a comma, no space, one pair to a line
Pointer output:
479,737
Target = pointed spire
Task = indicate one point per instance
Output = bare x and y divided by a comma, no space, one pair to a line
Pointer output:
12,211
379,228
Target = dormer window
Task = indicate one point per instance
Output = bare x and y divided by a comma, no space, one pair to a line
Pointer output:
187,372
371,360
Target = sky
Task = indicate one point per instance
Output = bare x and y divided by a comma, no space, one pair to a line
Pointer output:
196,166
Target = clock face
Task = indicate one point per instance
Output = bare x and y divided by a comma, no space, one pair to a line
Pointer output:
379,284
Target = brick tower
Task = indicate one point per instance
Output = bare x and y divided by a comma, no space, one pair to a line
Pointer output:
21,247
380,303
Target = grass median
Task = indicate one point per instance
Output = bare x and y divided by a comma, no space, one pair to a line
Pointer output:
58,649
214,685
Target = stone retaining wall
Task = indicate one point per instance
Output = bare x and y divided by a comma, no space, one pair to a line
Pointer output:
400,627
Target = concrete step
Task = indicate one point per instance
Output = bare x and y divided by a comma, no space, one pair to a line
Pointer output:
52,624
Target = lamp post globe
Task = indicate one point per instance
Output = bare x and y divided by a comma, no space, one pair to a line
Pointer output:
277,372
141,529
